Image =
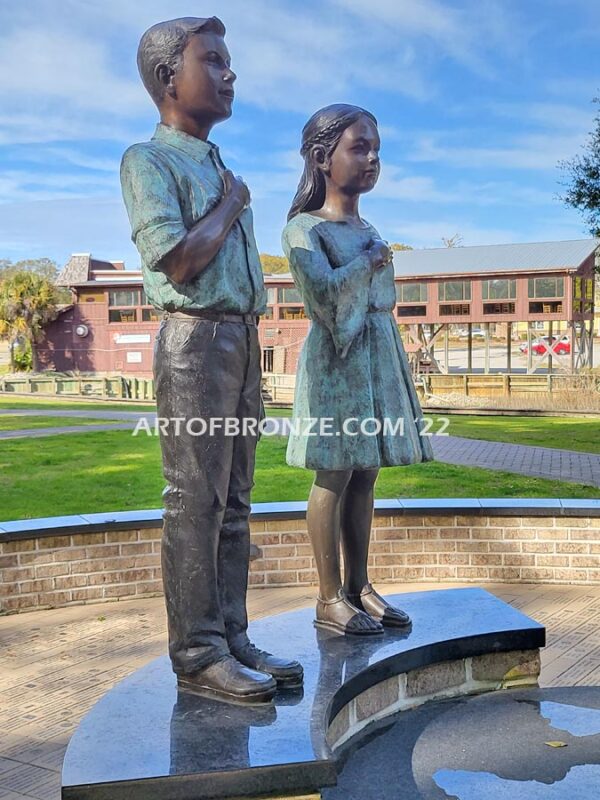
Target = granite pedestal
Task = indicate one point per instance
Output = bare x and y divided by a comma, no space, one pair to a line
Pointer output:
144,741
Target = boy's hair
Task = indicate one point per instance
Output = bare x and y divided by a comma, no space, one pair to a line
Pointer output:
165,42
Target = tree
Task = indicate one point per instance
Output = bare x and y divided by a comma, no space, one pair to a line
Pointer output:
452,241
274,265
45,267
398,246
28,301
583,179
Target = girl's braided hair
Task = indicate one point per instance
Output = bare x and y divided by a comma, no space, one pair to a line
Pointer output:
325,128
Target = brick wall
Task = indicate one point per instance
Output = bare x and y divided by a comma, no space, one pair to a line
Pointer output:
47,571
444,548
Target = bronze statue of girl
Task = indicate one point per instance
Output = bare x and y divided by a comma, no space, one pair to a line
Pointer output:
353,371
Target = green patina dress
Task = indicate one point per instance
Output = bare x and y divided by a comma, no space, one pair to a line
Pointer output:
353,365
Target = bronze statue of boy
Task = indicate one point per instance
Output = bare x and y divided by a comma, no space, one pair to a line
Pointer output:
192,225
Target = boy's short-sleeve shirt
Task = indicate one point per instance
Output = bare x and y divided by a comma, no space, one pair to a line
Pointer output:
168,184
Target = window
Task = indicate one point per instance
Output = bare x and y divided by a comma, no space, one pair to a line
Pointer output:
122,315
288,294
268,313
553,307
454,290
589,288
500,289
412,311
546,287
268,359
583,295
411,292
455,309
150,315
292,312
124,297
498,308
271,295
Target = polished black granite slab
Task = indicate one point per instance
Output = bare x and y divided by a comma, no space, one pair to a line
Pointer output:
491,747
144,741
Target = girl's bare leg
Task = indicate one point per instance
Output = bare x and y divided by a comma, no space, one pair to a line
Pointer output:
356,520
323,523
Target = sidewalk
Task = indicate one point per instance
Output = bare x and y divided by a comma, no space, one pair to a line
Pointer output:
54,665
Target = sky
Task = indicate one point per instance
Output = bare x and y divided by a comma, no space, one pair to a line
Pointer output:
476,101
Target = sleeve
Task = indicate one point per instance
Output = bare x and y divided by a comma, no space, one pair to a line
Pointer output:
338,297
152,202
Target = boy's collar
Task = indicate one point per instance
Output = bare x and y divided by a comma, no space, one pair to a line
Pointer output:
194,147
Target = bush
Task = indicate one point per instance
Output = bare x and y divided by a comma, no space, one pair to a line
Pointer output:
22,358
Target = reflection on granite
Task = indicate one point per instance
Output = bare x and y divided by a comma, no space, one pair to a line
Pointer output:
142,729
574,719
475,748
581,783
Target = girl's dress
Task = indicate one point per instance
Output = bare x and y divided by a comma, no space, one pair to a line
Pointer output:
353,378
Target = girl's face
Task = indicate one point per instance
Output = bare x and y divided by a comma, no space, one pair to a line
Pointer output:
354,164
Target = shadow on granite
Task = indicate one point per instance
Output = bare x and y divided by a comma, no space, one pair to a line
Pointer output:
143,740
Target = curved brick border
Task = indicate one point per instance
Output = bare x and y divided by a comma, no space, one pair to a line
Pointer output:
466,676
58,561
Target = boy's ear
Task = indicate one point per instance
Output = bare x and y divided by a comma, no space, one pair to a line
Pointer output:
319,157
164,74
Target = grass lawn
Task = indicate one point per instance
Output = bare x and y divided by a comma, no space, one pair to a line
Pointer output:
567,433
571,433
52,404
112,470
17,423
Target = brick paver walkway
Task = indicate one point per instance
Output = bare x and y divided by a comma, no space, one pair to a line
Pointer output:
540,462
54,665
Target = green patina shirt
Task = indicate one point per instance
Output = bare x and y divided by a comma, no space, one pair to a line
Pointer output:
169,183
353,370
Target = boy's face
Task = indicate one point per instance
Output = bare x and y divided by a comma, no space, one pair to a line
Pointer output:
204,82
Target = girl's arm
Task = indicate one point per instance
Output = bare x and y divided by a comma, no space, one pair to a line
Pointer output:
338,297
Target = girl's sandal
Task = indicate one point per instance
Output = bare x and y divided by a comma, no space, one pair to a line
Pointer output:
332,615
379,609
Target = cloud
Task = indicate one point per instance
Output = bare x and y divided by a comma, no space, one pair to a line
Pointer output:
393,184
527,152
19,185
467,34
57,228
552,116
429,233
61,67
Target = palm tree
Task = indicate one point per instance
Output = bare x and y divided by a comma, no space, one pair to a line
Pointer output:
27,303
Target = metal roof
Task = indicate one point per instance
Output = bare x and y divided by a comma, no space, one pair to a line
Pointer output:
529,257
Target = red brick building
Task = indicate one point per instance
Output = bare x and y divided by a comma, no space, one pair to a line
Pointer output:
502,289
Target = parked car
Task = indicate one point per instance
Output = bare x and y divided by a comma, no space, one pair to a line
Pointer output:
476,333
560,345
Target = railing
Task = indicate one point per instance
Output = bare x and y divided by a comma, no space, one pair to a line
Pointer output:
507,385
279,388
116,387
